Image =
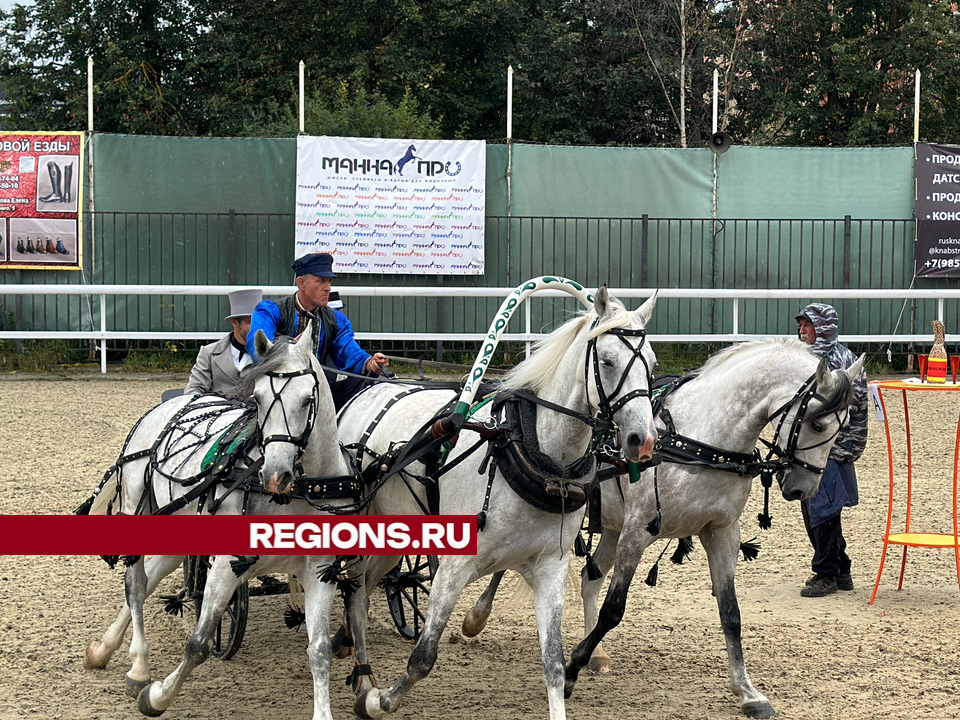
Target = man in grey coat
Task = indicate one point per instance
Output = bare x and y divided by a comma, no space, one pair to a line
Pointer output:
218,365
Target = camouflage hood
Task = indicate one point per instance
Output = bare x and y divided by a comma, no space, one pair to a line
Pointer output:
853,438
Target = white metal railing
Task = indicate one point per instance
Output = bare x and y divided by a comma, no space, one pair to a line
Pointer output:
527,336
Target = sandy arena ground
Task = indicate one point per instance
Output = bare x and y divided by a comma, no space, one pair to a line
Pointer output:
833,657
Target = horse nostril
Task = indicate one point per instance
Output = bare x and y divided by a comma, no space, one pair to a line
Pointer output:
792,495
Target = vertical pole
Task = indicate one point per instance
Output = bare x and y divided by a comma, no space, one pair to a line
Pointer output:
644,248
301,97
232,220
509,173
916,108
847,235
103,328
716,82
90,93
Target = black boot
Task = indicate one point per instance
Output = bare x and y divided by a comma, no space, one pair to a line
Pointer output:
55,194
30,248
60,248
67,178
20,248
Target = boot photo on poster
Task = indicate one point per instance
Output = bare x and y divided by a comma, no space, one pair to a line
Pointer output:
4,242
57,183
42,241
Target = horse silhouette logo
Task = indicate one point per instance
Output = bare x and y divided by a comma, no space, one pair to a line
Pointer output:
407,157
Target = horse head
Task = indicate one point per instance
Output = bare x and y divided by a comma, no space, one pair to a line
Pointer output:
620,361
808,427
292,397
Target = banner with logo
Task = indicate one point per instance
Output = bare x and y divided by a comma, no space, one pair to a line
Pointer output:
936,207
392,206
40,200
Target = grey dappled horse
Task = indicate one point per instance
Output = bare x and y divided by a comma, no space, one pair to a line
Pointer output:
597,363
296,420
727,404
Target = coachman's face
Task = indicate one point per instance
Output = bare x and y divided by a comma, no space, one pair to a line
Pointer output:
807,331
314,291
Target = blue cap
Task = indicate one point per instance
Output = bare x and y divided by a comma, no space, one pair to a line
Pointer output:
319,264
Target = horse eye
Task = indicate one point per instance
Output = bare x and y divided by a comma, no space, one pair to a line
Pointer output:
817,426
606,363
306,402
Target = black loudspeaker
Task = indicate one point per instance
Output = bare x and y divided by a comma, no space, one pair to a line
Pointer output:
720,142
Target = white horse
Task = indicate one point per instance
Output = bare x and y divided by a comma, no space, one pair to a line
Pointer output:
587,379
297,429
722,409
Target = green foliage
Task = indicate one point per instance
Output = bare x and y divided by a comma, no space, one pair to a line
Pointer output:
165,358
38,356
353,114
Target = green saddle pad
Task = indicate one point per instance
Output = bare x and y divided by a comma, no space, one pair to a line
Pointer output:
230,445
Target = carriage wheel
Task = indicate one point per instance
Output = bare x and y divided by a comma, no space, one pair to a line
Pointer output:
407,587
229,634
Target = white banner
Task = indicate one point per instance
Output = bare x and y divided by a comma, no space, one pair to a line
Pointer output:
392,206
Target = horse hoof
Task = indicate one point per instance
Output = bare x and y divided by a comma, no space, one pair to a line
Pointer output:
600,664
91,661
759,710
143,703
367,705
134,687
473,624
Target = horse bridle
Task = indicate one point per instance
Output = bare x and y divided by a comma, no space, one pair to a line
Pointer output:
607,411
301,440
787,456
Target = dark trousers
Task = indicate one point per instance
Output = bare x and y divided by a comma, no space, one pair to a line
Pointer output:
829,547
343,390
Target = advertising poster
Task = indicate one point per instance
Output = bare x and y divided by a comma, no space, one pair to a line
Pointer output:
40,200
936,207
392,206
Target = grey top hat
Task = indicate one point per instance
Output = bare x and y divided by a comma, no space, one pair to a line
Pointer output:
242,303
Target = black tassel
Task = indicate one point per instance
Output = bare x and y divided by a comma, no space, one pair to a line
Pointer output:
653,527
593,570
579,546
684,548
131,560
243,563
481,520
750,550
111,560
652,575
173,604
294,617
280,499
85,508
765,521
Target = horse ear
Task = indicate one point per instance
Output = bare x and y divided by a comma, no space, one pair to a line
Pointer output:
645,311
261,344
305,341
824,379
854,370
601,302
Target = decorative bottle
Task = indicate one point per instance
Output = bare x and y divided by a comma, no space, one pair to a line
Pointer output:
937,359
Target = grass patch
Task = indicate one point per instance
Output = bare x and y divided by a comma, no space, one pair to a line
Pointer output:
167,358
38,356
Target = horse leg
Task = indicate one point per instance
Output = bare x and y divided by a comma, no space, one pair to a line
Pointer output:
722,546
135,586
549,582
476,620
99,652
317,600
445,589
156,697
633,542
590,594
357,608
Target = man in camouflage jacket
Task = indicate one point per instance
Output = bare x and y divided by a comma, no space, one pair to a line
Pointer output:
838,489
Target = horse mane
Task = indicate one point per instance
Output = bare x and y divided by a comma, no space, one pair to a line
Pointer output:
270,361
838,400
538,370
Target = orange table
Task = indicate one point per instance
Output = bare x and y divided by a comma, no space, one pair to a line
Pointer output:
909,538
